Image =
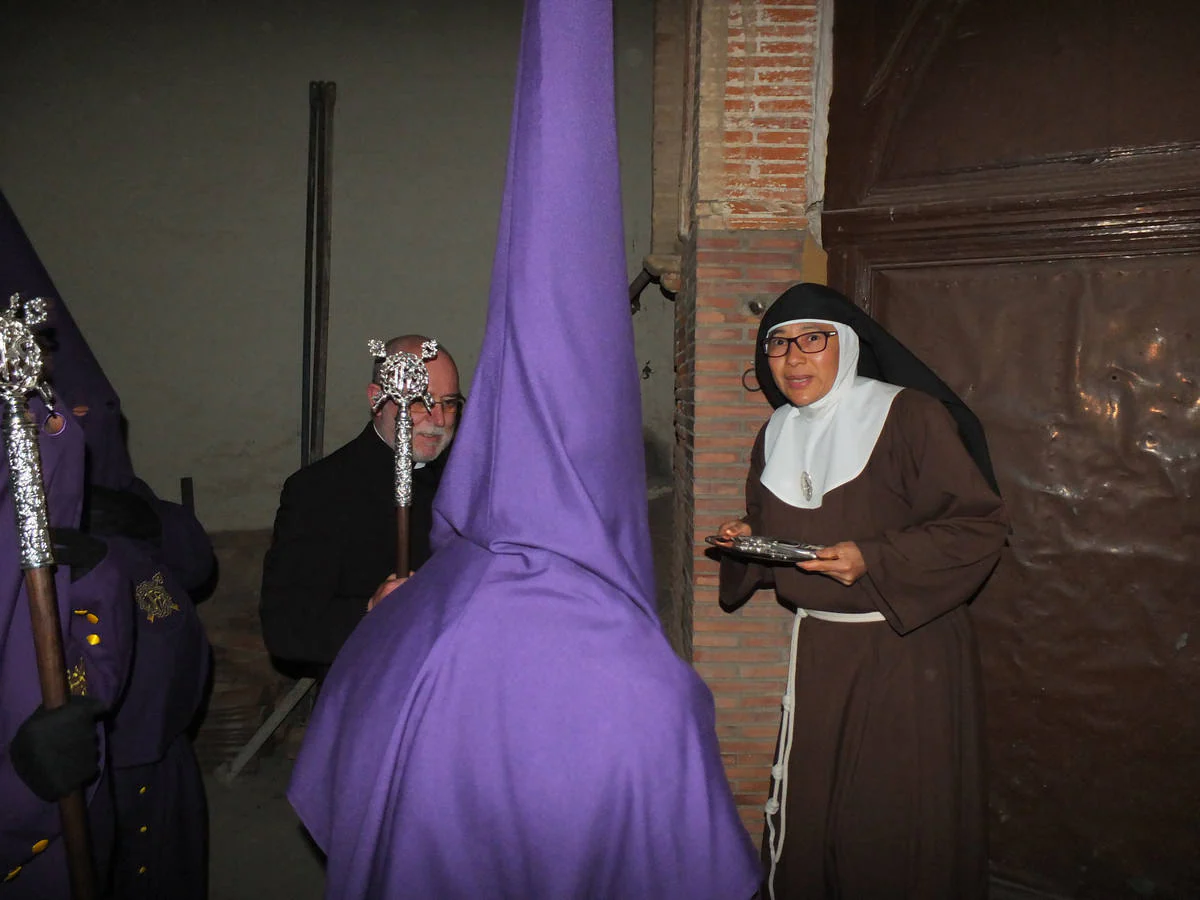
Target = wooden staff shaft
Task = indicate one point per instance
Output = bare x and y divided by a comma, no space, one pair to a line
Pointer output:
52,674
402,541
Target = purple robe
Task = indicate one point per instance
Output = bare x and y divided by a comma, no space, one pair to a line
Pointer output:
511,723
155,673
97,633
160,802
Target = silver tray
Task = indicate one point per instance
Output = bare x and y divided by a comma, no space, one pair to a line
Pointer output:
766,549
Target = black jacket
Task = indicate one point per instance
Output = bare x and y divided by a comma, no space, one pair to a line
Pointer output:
334,543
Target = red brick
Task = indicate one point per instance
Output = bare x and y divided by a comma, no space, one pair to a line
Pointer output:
731,654
719,242
778,91
781,276
769,71
712,335
787,14
798,137
777,670
705,272
782,106
761,123
783,48
715,640
768,152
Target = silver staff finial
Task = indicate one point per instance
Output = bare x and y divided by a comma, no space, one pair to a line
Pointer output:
403,378
21,361
21,365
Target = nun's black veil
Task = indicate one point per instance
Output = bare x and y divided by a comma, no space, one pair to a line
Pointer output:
881,357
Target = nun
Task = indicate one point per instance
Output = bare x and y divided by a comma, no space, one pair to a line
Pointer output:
878,784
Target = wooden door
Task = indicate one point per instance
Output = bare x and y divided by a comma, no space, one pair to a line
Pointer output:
1014,191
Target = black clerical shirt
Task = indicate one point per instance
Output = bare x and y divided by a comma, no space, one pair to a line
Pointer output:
334,544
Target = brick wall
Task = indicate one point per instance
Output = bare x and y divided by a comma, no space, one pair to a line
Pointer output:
748,241
743,656
766,116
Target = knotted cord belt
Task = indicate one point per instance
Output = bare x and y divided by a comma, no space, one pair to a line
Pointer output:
777,804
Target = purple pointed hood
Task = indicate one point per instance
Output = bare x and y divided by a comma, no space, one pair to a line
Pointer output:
549,456
511,722
74,372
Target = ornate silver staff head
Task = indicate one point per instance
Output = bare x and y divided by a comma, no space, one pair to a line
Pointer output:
403,378
21,365
21,361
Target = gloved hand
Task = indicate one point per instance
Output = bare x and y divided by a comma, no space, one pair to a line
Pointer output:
80,551
122,513
56,751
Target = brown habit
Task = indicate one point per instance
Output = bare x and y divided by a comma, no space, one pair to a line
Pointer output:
885,791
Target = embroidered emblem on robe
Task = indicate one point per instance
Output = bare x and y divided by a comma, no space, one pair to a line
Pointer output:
153,599
77,679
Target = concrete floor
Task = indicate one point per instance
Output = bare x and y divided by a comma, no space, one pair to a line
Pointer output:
258,850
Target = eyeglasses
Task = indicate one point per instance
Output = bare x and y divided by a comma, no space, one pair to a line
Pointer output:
450,407
777,345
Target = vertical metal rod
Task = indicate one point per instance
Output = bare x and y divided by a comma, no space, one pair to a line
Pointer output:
324,233
314,120
317,252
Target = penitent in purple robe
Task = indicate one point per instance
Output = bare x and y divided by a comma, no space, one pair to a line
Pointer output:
150,659
97,635
511,723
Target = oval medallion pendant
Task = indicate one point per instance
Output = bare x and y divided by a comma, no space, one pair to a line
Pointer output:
806,485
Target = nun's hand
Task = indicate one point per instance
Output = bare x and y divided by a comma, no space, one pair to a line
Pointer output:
842,562
735,529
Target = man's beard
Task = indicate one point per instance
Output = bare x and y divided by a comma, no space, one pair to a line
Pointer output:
443,436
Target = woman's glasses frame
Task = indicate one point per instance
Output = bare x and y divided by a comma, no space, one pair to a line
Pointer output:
776,345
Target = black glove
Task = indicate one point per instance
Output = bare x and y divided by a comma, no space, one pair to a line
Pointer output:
80,551
56,751
121,513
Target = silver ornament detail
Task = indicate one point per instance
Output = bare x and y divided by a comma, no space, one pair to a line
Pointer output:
806,485
403,378
21,365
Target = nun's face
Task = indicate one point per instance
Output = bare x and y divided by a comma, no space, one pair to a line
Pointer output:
805,378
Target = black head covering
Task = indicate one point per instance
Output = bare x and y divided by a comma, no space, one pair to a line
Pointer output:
880,356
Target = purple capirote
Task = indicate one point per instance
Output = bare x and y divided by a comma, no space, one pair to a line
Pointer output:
511,722
74,372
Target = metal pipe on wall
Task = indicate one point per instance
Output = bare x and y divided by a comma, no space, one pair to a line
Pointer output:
317,254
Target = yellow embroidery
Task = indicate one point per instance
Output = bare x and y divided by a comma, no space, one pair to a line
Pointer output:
154,600
77,679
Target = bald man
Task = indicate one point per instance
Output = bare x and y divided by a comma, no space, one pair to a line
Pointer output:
335,531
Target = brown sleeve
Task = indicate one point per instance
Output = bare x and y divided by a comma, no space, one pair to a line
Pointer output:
739,579
918,573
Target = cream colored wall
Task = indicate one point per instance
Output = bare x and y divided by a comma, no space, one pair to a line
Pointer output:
156,154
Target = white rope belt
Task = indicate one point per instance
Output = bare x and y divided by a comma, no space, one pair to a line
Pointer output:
777,804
